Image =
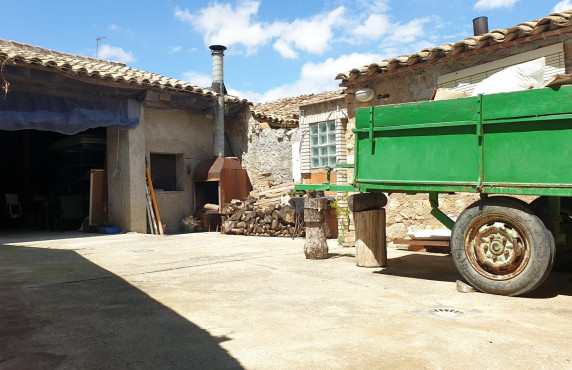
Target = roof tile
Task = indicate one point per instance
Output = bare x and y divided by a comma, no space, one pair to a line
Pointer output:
285,112
98,69
553,21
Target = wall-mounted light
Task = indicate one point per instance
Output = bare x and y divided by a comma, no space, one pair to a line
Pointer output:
364,95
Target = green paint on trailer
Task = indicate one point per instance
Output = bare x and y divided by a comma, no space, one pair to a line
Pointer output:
517,143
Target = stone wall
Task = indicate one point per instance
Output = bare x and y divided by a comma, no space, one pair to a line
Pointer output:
269,152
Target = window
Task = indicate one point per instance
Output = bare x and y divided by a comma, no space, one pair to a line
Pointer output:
164,172
467,79
323,144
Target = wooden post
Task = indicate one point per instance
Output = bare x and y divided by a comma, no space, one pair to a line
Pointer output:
316,246
371,248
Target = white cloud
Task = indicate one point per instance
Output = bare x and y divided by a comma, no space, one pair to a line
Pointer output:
562,6
315,34
117,28
175,49
285,49
409,32
375,26
115,53
227,25
494,4
223,24
373,6
314,78
198,78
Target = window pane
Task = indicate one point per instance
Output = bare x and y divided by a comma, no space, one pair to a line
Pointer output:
323,162
332,161
331,126
314,140
314,129
315,162
164,171
315,152
332,149
332,138
323,128
324,150
322,139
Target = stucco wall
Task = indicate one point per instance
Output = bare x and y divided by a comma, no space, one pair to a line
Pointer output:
269,151
126,174
190,136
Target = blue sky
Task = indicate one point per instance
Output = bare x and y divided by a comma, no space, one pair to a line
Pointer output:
276,49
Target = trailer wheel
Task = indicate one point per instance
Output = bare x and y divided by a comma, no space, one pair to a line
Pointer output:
501,246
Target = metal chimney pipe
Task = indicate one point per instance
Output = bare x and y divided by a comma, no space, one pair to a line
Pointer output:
218,86
218,66
480,26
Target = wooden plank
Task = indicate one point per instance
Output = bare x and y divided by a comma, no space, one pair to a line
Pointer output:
427,243
97,198
153,199
558,80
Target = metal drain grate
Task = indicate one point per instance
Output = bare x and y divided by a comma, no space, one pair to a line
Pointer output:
445,313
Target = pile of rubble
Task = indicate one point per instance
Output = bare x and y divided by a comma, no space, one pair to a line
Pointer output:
264,213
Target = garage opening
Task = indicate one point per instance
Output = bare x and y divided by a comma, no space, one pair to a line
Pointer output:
46,178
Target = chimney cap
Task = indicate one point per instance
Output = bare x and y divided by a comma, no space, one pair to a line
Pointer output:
217,47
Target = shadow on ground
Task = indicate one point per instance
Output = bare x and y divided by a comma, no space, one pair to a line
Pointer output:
426,266
27,236
58,309
440,267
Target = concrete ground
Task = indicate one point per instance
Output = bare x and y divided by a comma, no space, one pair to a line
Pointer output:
206,300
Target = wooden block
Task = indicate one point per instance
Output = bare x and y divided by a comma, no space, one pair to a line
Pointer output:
416,248
371,248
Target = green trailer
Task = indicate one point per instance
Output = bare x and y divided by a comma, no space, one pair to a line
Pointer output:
517,143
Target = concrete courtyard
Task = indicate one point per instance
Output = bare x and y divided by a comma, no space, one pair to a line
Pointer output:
133,301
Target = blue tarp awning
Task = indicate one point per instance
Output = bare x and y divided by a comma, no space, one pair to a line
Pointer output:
24,110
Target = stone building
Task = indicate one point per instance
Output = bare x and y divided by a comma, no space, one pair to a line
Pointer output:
457,66
63,115
279,138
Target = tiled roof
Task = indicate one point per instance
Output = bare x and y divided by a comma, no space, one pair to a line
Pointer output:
98,70
286,112
553,21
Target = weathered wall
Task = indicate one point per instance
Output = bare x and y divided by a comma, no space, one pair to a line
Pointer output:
126,174
190,137
269,151
236,133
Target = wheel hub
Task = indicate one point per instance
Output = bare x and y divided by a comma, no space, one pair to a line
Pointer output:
498,250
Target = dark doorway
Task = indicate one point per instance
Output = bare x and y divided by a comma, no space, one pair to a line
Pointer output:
44,182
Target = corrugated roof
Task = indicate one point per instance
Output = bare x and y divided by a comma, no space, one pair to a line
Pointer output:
98,70
498,36
286,112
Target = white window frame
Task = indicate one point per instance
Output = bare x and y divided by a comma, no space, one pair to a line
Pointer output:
323,144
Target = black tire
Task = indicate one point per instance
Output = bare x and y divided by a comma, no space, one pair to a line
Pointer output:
500,246
563,260
540,207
